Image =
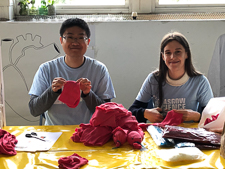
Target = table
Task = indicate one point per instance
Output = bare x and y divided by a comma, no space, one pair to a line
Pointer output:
99,156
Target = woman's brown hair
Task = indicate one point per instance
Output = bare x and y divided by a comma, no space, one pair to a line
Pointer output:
160,74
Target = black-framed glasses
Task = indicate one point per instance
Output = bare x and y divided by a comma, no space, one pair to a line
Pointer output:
71,39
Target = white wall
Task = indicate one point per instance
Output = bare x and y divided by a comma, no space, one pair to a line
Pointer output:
129,49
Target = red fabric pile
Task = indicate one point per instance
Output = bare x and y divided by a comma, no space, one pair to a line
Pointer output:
70,94
72,162
172,119
108,119
7,143
208,120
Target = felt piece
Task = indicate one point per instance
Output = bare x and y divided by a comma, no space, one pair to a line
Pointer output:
92,136
70,94
107,114
96,136
208,120
128,122
72,162
135,138
140,131
119,136
7,143
143,126
79,131
172,119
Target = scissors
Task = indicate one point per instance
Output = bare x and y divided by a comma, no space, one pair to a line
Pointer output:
33,135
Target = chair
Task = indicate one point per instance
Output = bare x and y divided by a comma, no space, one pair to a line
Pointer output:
41,118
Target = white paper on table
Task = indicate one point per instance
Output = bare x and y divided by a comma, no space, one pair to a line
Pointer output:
34,144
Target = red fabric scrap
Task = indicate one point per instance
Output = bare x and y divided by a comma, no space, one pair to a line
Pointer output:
79,131
172,119
119,136
70,94
7,143
92,136
208,120
143,126
107,114
96,136
128,122
72,162
135,138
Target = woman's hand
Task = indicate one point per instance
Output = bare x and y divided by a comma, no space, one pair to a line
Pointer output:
85,85
153,115
58,83
189,114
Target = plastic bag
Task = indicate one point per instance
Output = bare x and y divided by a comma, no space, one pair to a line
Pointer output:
195,135
156,134
214,107
180,154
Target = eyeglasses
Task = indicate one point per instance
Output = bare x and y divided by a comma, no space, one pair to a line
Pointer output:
71,39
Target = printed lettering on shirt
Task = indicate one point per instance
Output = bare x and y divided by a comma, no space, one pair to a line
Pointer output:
176,103
170,104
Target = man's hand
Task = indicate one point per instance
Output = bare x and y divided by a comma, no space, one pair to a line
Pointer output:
58,83
85,85
189,114
153,115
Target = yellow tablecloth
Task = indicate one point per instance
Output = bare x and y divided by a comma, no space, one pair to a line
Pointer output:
98,156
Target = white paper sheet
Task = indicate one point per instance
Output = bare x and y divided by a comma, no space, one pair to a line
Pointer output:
34,144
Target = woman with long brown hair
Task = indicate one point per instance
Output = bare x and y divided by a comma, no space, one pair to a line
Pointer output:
176,85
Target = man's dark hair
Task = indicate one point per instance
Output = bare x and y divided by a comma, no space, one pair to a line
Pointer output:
75,22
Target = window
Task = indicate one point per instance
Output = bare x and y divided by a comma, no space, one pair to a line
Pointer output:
92,6
202,2
91,2
187,6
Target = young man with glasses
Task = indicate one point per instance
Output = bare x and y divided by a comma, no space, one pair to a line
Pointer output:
95,82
